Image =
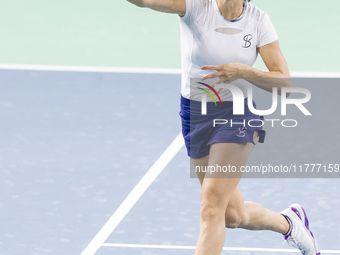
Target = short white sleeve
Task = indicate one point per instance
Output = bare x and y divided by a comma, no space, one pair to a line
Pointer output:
195,10
266,31
189,9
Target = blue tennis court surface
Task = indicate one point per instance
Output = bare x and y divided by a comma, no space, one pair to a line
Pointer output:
74,144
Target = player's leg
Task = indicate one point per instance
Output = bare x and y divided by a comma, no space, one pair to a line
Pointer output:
248,215
253,216
216,194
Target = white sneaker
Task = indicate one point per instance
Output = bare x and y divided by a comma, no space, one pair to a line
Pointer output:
300,236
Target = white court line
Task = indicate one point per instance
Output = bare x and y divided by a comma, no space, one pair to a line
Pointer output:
314,75
180,247
134,195
95,69
98,69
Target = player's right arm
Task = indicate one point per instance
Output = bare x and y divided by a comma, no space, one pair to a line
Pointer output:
168,6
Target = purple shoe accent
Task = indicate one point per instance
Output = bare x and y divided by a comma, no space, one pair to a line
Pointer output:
306,219
296,212
307,223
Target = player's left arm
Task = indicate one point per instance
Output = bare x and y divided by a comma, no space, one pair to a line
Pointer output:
278,72
276,76
274,60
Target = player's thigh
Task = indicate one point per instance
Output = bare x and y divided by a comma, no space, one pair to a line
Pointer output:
236,201
224,155
226,159
229,155
200,163
218,186
215,191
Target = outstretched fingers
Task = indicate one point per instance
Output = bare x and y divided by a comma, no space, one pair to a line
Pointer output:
212,75
211,67
218,70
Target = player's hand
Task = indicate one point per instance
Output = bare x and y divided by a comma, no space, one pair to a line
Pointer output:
226,73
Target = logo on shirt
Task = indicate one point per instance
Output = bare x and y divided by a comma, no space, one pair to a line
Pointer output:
247,40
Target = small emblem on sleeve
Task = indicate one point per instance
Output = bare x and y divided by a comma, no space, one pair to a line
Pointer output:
247,40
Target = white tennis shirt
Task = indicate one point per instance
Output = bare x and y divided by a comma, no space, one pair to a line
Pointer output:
207,38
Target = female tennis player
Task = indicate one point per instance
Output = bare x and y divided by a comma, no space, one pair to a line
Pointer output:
220,39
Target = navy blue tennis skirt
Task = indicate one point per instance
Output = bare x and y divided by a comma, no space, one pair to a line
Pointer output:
199,131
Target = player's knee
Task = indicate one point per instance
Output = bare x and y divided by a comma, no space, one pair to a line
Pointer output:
211,208
234,218
210,213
